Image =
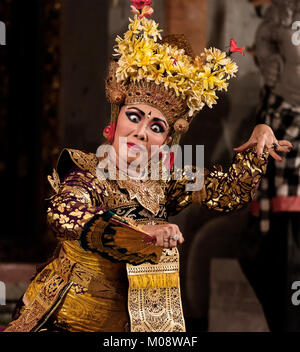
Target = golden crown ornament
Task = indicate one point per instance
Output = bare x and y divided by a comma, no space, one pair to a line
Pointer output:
164,72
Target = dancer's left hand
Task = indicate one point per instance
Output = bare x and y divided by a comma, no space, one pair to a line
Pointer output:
262,136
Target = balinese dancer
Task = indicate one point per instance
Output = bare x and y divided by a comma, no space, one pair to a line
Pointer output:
117,264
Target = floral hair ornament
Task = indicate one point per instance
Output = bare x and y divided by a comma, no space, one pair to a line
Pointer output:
109,131
142,8
164,72
234,48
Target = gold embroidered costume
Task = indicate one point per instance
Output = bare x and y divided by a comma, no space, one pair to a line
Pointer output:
103,277
85,288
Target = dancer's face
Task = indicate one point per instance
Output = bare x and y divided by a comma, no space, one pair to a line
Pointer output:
144,126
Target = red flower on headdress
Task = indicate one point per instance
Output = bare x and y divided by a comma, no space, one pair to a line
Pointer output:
109,131
235,49
142,8
146,12
140,4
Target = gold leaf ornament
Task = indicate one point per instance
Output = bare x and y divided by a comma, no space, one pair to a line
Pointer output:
54,181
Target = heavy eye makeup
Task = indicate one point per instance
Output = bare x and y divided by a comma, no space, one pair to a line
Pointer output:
133,116
157,126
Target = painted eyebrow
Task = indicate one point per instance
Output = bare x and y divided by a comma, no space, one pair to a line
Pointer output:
161,120
140,111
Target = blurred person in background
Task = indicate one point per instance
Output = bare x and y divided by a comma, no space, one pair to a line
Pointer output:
274,263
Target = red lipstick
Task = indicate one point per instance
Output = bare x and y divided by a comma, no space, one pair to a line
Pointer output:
131,144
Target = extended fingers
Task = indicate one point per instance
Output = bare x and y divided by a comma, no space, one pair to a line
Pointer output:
260,145
286,143
263,136
282,149
273,147
279,146
275,155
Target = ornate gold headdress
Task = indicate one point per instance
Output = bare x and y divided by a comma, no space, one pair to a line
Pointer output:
164,73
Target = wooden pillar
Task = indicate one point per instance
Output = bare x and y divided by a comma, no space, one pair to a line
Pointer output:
189,18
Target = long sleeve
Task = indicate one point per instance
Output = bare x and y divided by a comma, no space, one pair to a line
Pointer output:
228,191
222,191
177,198
76,212
73,205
